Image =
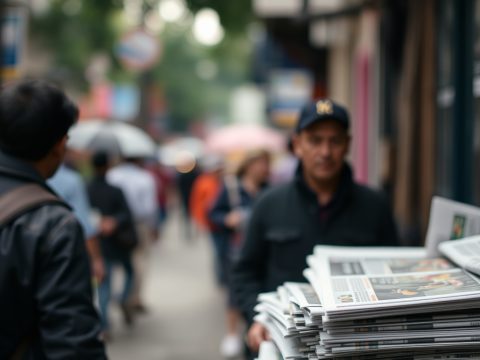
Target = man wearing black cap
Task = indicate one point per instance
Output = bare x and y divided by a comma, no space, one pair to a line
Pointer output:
322,205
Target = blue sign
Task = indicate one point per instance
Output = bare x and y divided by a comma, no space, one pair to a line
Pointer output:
12,33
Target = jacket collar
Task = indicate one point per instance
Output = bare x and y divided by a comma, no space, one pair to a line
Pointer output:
342,194
16,168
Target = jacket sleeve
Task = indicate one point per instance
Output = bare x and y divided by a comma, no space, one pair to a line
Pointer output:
123,214
69,324
249,272
220,209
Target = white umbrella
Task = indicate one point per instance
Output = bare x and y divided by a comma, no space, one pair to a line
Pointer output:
182,148
114,137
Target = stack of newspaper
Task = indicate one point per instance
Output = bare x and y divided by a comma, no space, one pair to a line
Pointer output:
381,303
293,316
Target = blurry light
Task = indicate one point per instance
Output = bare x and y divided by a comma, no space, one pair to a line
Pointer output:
72,7
154,23
206,69
207,28
185,162
39,7
172,10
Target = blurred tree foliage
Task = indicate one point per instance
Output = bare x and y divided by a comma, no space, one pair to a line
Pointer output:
192,93
75,30
72,31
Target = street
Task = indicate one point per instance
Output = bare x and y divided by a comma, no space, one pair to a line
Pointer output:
185,318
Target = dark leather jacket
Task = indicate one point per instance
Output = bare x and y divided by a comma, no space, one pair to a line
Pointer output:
45,283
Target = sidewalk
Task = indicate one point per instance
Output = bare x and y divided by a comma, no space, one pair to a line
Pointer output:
185,319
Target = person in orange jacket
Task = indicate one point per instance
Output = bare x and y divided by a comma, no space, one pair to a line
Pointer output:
205,191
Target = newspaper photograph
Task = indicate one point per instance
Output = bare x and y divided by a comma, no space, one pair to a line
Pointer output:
464,252
450,220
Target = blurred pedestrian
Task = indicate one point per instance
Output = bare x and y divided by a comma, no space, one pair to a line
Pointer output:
322,205
206,189
138,186
117,236
46,305
230,214
163,182
187,173
70,186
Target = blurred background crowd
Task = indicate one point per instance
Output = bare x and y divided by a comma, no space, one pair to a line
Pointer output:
193,103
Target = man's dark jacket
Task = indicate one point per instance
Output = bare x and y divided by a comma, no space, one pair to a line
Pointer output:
287,222
45,282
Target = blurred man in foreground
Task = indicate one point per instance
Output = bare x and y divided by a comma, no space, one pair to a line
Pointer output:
322,205
46,306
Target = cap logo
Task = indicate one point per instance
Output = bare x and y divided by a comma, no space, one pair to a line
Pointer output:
324,107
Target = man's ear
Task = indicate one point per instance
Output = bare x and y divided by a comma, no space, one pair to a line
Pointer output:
60,146
296,145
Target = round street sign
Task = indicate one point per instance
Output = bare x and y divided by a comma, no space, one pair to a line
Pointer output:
138,50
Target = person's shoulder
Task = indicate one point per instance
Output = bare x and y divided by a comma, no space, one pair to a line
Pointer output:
146,177
49,218
118,174
66,176
70,173
116,170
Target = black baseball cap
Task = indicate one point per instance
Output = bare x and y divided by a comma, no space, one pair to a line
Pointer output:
321,110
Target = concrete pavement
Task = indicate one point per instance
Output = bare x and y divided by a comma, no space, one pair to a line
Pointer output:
186,317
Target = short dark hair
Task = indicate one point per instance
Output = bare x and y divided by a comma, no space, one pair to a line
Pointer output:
100,160
34,116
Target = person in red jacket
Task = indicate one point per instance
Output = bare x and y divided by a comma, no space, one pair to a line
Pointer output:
206,189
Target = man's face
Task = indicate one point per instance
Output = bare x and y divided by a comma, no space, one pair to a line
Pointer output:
322,148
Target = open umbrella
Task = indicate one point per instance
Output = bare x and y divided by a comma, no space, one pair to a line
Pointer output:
114,137
172,152
241,137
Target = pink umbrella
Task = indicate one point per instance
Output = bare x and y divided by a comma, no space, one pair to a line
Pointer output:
241,137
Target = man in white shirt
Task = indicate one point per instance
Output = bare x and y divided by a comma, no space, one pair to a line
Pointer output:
138,186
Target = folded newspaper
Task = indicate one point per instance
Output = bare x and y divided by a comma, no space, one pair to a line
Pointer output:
450,220
373,302
464,252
